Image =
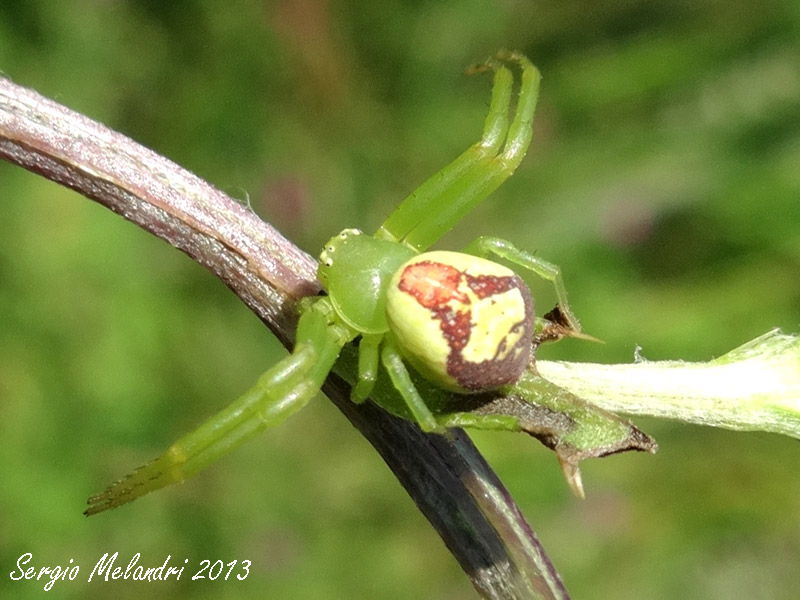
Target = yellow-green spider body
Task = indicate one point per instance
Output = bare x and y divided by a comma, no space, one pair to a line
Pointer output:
463,322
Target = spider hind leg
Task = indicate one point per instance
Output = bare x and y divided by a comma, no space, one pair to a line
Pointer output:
485,246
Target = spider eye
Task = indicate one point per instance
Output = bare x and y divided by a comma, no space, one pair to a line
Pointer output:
464,322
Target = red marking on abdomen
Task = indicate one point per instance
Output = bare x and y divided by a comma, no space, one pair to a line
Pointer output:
456,327
489,285
432,284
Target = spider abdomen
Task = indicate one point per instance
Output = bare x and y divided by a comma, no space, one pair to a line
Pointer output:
464,322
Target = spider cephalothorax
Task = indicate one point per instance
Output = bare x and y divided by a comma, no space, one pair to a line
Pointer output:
463,322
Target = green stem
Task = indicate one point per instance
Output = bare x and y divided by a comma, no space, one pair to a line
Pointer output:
755,387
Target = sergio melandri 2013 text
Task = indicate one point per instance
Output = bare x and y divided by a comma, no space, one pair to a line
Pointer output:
107,569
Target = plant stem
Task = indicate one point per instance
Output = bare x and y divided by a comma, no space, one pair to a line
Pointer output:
755,387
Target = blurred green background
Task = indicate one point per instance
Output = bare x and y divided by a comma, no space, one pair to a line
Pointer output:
663,177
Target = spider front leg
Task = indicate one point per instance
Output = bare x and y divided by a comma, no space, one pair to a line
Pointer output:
439,203
393,362
374,349
280,392
368,352
485,246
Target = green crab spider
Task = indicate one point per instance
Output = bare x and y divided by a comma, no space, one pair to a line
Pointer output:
462,321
